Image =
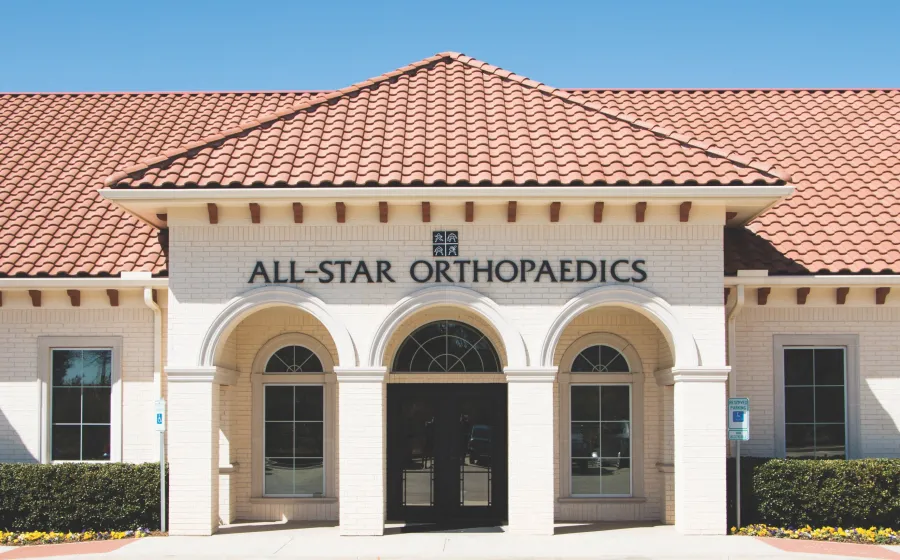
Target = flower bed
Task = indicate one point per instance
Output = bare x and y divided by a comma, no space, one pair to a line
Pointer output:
837,534
10,538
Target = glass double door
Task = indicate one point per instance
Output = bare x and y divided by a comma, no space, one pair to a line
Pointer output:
446,453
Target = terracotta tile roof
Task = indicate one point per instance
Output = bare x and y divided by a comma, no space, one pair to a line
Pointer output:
842,149
447,120
55,151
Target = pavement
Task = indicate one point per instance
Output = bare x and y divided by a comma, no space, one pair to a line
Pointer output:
571,542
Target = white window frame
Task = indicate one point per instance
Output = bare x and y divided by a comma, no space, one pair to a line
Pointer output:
630,441
259,380
325,412
635,380
46,345
850,345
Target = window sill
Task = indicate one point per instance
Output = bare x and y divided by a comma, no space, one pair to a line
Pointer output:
598,500
272,501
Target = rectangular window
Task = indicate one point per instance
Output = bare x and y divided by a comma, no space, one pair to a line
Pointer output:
815,402
293,440
601,440
80,404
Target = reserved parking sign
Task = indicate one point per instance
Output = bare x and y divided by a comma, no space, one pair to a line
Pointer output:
739,419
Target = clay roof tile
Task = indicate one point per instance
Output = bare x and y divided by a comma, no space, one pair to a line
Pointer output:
839,149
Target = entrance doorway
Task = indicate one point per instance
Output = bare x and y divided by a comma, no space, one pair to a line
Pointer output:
446,454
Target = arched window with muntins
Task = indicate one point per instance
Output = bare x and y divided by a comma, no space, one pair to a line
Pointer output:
600,358
446,347
294,359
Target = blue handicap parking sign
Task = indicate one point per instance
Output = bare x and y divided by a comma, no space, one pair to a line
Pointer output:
159,418
737,416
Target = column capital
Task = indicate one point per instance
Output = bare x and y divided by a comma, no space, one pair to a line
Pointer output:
360,374
530,374
699,374
215,374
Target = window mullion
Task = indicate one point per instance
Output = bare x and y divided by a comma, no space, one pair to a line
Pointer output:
600,427
814,418
81,417
294,438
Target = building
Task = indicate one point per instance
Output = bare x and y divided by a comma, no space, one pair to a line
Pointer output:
449,293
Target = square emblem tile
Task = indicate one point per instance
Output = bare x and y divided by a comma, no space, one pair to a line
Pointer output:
445,243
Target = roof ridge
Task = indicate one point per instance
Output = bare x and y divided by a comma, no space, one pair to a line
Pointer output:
267,118
707,147
163,92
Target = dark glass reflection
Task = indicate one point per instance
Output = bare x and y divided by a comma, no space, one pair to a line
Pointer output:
829,366
294,440
600,443
418,421
81,407
600,359
798,366
814,402
476,440
294,359
446,347
586,402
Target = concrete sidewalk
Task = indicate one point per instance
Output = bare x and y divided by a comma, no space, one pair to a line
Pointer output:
576,541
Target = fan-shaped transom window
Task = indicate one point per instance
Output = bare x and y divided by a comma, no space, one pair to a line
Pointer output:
600,358
294,359
446,346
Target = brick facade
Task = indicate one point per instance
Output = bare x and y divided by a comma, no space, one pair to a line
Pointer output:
215,470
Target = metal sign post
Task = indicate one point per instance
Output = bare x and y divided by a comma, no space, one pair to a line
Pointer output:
159,423
738,431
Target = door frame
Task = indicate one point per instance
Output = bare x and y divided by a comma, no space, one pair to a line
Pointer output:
447,397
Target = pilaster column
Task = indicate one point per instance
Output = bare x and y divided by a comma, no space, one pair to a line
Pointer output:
193,450
530,398
700,450
361,450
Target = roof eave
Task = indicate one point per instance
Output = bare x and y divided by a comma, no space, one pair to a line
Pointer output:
148,203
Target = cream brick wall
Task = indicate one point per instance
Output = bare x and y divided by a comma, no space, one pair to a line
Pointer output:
20,403
193,445
878,329
700,457
211,265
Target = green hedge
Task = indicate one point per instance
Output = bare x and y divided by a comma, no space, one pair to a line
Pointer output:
795,492
79,497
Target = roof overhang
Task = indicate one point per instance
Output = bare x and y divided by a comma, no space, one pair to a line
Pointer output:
127,280
815,281
744,201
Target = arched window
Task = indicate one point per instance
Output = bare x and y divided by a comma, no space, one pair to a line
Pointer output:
293,425
446,347
600,358
294,359
601,439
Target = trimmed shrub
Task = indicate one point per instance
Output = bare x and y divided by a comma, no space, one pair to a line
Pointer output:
79,496
819,493
822,493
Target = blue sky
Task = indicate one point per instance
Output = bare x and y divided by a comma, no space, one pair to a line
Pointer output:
189,45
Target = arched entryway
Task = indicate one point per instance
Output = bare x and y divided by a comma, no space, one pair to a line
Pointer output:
278,419
446,422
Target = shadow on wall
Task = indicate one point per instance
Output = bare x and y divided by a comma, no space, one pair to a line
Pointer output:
12,448
875,416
